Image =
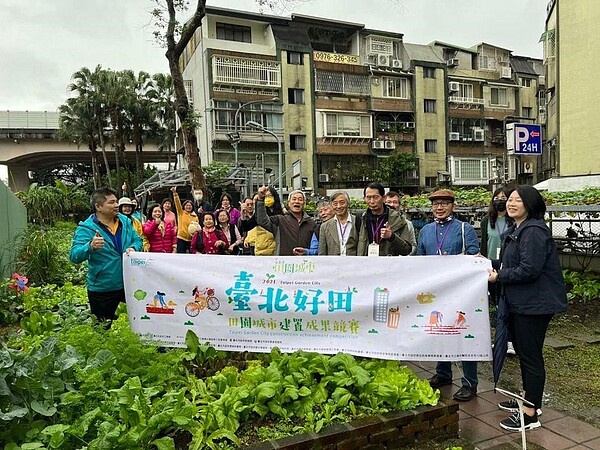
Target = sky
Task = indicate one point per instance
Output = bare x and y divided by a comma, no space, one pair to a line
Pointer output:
43,42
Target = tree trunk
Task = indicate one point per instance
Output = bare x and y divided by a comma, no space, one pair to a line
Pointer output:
182,105
104,155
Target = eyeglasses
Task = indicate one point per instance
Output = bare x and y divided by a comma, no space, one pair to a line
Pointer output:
443,203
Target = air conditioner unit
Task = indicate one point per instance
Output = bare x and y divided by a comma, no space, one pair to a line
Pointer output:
454,136
384,60
409,124
527,167
478,134
390,145
452,62
454,86
505,72
397,63
323,177
378,144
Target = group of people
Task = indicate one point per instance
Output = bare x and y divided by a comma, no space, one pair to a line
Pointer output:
526,270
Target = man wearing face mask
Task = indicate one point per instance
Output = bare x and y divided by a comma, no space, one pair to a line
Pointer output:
200,205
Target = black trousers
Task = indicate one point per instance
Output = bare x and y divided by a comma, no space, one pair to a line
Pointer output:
529,332
104,304
183,246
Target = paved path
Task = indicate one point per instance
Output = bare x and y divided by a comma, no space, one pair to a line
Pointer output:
480,418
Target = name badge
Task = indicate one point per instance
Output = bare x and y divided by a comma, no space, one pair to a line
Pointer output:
373,249
498,253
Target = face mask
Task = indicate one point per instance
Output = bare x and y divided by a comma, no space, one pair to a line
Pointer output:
269,201
500,205
198,197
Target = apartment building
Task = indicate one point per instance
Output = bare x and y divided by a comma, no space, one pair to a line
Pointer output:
571,97
338,97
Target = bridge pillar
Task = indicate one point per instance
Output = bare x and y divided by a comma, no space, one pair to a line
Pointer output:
18,177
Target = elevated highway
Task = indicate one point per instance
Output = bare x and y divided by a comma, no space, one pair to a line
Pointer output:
27,142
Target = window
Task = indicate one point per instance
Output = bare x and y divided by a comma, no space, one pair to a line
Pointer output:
469,170
430,146
270,115
526,82
428,72
395,87
297,142
348,125
431,181
499,97
295,58
296,96
429,106
465,91
527,111
231,32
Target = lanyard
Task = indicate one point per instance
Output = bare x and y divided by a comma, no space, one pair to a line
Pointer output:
343,230
444,234
375,228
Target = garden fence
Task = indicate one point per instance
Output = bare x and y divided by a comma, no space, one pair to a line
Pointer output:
13,220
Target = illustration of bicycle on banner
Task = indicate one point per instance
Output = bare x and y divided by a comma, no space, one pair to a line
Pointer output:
203,299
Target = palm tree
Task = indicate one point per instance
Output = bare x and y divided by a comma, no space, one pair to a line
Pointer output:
163,103
141,112
78,124
87,87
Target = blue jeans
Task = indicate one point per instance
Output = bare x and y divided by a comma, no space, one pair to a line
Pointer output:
469,378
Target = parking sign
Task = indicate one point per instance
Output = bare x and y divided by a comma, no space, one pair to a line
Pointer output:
524,139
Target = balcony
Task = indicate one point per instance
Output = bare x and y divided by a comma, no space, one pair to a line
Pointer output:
245,71
342,83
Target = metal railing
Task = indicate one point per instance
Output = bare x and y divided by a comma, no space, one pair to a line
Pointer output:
246,71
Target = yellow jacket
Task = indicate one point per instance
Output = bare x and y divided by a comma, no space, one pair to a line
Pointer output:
262,240
184,219
137,226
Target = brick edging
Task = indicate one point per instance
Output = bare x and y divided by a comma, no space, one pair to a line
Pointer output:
390,430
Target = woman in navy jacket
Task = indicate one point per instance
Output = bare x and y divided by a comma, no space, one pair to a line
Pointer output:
531,280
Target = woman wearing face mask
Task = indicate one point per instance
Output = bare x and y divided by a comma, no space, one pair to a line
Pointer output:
493,226
263,241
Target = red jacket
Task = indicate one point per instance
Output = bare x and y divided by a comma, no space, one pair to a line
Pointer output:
159,242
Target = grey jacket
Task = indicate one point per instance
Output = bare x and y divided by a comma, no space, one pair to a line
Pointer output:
329,239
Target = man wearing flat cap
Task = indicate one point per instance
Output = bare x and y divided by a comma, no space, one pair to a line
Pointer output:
447,235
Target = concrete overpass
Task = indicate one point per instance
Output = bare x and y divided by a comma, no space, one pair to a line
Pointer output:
27,143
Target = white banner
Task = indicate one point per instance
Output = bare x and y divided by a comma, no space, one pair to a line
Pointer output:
402,308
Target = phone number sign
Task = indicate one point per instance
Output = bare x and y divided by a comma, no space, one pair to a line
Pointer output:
524,139
338,58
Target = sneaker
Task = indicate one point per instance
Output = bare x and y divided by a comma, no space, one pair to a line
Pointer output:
436,381
512,406
513,423
510,349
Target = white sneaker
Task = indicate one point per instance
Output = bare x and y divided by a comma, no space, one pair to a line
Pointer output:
510,349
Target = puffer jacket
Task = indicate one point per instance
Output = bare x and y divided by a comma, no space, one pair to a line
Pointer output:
262,240
160,242
530,274
184,219
105,265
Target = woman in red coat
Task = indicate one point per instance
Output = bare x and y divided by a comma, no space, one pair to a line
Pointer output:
210,240
161,234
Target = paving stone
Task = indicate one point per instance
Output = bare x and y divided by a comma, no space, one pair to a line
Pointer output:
557,344
587,338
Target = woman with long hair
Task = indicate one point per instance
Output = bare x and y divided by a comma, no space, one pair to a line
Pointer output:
532,285
226,203
495,224
160,233
231,232
185,217
210,239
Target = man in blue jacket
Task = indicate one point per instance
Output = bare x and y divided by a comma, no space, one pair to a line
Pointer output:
449,236
101,240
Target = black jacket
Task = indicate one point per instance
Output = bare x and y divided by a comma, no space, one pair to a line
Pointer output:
530,274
